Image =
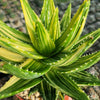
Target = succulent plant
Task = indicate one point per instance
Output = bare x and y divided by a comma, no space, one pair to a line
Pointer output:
48,59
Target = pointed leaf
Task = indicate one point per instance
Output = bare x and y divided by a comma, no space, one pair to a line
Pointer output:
29,73
46,44
65,59
16,85
54,28
66,19
20,47
7,55
65,85
47,12
13,33
85,79
46,91
30,19
68,58
92,37
80,29
81,64
74,28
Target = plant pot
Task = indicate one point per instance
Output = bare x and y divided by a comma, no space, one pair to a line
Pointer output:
19,97
67,98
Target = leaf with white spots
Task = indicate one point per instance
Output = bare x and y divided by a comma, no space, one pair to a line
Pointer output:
30,19
45,43
54,29
12,33
64,59
65,21
73,32
65,84
92,37
20,47
16,85
83,78
47,12
81,64
36,70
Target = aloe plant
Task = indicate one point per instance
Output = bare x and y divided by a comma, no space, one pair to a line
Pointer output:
48,59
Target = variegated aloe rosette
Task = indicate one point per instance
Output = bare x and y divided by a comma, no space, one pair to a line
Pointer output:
49,58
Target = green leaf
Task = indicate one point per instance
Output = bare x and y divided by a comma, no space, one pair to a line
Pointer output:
80,29
12,33
74,30
36,70
46,44
67,58
63,83
1,67
64,59
83,78
33,90
30,19
92,37
20,47
46,91
47,12
66,19
7,55
81,64
16,85
27,63
54,29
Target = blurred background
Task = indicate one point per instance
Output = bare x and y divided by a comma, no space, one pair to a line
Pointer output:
11,14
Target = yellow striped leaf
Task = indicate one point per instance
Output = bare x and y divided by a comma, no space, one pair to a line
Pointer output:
30,19
66,19
16,85
47,12
13,33
36,70
46,44
69,34
81,64
20,47
53,28
7,55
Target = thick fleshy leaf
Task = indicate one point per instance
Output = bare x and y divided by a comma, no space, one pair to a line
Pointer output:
46,91
20,47
80,29
7,55
1,67
66,19
92,37
13,33
68,58
16,85
36,70
65,84
60,96
64,59
54,29
47,12
30,19
74,30
46,44
85,79
81,64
